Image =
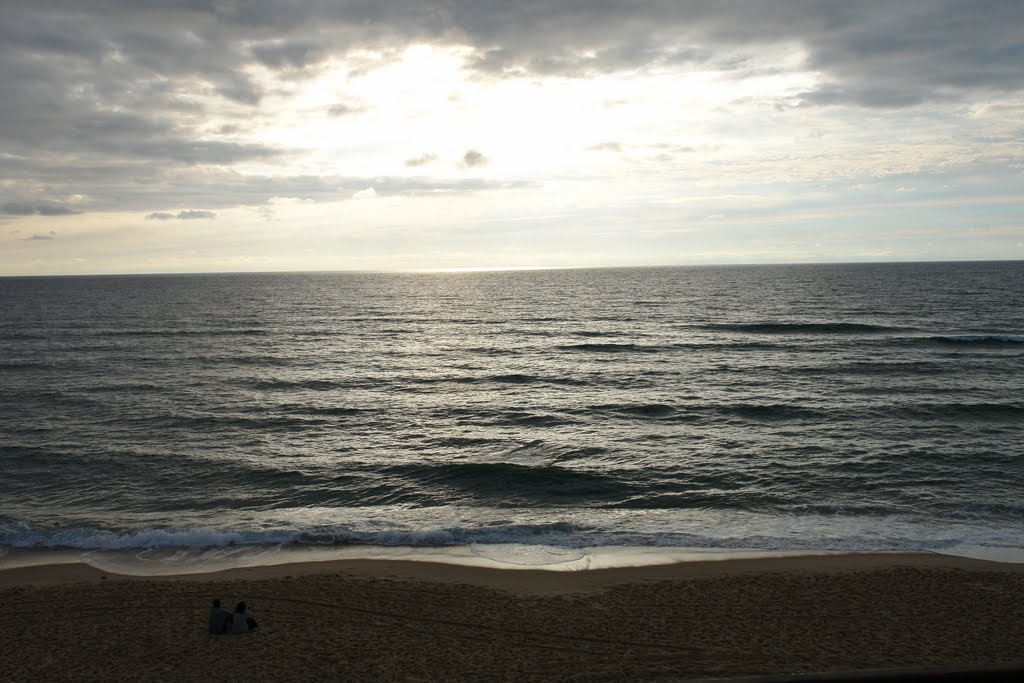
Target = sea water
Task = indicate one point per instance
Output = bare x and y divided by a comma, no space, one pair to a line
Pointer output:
517,415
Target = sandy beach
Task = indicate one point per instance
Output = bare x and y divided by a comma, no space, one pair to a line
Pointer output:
409,621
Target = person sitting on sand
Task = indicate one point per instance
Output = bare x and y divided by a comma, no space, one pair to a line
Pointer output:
220,618
242,621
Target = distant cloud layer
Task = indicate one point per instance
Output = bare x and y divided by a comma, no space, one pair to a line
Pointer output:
189,215
181,215
29,209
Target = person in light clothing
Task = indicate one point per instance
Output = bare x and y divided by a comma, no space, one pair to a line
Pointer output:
242,620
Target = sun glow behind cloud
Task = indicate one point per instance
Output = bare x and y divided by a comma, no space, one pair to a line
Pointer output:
429,100
666,136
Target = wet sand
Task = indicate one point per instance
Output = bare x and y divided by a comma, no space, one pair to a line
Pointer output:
417,621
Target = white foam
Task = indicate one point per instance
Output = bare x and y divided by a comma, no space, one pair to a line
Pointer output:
528,555
512,557
542,538
983,552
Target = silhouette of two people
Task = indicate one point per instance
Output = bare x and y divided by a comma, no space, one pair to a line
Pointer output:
223,621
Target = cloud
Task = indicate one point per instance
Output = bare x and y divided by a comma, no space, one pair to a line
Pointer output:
345,109
421,160
368,193
472,158
143,105
138,188
86,80
286,201
874,98
192,214
288,54
19,209
41,237
605,147
54,210
43,209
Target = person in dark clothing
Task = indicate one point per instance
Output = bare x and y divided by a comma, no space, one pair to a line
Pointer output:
220,618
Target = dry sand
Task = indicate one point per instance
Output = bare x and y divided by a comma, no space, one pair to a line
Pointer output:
414,621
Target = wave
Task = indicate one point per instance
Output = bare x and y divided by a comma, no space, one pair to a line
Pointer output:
557,535
21,535
959,411
688,413
244,332
22,336
652,410
677,346
237,358
514,379
289,385
18,535
25,365
300,409
494,351
771,412
510,482
259,422
801,328
598,333
127,387
612,348
505,378
870,368
980,339
502,417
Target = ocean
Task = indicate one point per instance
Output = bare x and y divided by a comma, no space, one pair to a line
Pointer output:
791,407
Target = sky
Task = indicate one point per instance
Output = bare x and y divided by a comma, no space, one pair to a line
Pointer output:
139,136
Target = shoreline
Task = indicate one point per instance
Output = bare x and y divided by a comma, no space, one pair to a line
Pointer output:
516,578
513,557
412,620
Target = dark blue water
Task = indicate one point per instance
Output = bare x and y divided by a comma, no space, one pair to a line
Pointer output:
831,406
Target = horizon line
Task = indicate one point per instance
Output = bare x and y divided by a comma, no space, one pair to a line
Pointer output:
455,270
